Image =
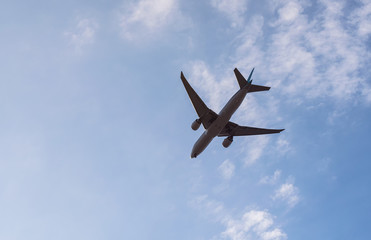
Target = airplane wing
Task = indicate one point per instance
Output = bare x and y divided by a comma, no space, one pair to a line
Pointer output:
233,129
206,115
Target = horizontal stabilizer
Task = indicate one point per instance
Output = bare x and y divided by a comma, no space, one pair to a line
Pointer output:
258,88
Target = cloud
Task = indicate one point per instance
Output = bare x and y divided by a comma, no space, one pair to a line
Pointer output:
307,54
147,17
256,148
253,224
271,179
215,91
289,12
316,57
287,193
84,34
361,17
283,145
209,208
233,9
303,55
227,169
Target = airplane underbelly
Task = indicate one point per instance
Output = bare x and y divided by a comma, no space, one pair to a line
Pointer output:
217,127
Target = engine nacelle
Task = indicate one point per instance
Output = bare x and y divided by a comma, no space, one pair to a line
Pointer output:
196,124
227,142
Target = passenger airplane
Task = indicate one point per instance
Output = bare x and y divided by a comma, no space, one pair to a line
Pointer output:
219,124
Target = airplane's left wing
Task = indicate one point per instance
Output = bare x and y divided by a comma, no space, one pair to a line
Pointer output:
233,129
205,114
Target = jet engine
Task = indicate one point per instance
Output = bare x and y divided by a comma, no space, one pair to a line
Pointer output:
196,124
228,141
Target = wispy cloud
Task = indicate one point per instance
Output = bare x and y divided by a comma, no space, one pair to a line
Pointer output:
233,9
288,193
147,17
83,34
215,91
317,57
255,149
304,56
226,169
252,224
362,18
283,146
271,179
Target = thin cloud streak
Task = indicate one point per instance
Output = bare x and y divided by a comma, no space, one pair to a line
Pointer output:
83,34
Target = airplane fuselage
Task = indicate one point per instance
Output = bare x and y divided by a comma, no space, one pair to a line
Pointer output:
217,126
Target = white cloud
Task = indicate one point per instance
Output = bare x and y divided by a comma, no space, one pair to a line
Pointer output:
318,57
227,169
362,18
271,179
84,34
217,92
249,37
209,208
290,11
147,17
256,148
302,56
287,193
233,9
253,224
283,145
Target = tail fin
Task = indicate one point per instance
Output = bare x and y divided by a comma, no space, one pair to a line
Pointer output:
241,79
242,82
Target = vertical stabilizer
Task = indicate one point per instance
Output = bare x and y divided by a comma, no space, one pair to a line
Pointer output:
241,79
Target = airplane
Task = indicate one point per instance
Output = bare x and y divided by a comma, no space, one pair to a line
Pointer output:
219,124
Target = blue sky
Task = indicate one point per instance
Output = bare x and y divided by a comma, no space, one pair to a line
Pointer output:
95,122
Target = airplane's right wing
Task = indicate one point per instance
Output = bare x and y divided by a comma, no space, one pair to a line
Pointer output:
233,129
206,115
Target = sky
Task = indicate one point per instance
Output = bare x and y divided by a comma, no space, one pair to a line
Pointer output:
95,123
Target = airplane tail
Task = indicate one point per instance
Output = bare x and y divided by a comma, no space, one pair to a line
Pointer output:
243,82
240,78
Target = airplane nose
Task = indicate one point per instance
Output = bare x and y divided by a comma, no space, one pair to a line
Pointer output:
194,153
